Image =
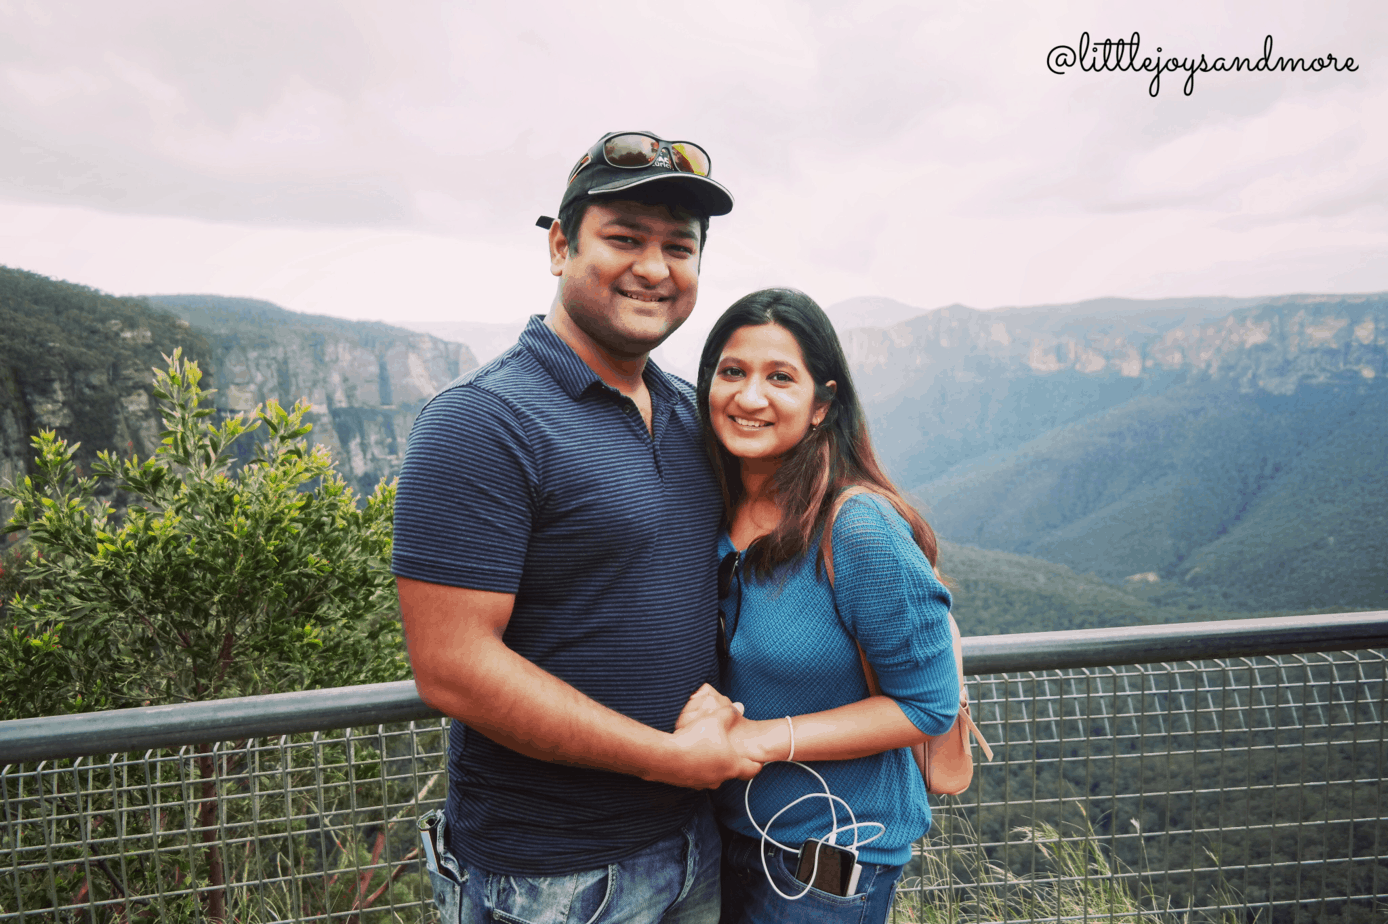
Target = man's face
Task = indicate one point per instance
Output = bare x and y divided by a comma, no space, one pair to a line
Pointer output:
632,278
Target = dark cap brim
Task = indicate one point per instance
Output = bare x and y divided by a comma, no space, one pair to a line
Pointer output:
600,179
715,199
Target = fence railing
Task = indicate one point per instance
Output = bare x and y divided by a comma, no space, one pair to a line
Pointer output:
1223,771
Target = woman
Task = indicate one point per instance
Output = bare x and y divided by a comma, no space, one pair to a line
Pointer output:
789,438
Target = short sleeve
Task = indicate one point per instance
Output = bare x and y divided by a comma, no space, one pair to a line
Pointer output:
898,611
465,502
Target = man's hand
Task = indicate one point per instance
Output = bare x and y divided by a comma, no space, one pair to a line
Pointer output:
705,755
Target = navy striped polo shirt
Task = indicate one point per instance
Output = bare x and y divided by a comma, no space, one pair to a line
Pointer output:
530,476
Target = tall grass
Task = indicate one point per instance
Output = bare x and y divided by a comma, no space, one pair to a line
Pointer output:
953,879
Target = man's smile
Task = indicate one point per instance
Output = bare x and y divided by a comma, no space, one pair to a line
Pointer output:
642,296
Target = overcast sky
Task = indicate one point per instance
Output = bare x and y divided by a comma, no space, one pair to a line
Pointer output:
388,160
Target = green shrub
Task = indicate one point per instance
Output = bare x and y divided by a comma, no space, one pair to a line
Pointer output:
214,581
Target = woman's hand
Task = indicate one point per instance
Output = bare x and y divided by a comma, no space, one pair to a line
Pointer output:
758,741
709,703
705,701
707,753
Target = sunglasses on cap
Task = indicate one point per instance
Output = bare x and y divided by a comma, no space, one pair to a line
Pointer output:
637,150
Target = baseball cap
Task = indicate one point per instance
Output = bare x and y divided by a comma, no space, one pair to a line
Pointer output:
628,161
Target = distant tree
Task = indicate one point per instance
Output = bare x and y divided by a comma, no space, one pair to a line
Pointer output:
214,582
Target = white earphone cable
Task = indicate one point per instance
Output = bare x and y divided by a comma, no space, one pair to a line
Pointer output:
834,828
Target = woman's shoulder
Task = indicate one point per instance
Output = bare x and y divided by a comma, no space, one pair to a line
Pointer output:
867,518
878,562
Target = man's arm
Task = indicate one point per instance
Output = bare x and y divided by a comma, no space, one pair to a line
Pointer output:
464,669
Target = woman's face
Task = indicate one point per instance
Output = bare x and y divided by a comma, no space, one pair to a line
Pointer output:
761,401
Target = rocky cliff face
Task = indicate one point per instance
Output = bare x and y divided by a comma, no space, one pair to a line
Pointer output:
365,381
1272,347
54,399
79,362
1284,344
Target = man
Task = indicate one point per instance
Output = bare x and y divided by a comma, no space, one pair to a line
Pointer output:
555,550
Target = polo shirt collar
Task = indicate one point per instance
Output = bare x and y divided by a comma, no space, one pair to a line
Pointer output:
571,373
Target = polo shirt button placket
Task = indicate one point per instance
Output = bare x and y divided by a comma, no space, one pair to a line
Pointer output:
634,415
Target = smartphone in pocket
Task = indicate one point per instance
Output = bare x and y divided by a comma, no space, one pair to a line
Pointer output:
428,825
828,867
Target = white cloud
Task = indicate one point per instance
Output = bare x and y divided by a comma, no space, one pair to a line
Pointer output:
353,158
361,273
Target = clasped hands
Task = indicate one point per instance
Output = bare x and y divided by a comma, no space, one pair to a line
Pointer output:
716,742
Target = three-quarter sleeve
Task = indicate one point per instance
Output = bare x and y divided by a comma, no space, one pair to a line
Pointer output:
898,611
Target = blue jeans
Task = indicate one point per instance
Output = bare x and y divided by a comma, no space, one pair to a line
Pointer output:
673,881
749,899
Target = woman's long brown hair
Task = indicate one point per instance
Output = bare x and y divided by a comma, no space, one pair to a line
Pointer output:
836,455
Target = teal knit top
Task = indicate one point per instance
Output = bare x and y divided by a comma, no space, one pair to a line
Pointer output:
791,654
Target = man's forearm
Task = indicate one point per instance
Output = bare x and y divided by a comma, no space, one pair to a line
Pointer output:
517,704
464,668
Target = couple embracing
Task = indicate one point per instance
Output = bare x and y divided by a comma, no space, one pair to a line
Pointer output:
627,591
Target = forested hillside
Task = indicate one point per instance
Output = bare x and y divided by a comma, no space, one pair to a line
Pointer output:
78,361
1214,456
365,380
1252,499
999,592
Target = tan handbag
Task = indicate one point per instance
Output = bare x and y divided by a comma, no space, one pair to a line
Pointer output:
946,761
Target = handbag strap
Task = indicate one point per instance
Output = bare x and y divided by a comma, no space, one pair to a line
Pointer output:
827,543
967,719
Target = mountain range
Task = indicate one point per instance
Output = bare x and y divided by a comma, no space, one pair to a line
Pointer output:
1105,462
1230,452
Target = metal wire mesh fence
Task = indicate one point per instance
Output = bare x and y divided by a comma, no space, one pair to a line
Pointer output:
1240,789
302,827
1231,790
